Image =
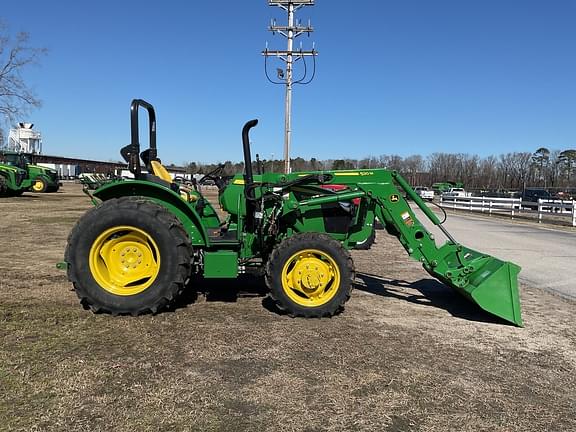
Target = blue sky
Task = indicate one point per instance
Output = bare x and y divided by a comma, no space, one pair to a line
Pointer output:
404,77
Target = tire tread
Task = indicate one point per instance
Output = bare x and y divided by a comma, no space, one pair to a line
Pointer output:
180,240
275,265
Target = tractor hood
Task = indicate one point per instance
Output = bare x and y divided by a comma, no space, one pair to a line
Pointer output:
41,168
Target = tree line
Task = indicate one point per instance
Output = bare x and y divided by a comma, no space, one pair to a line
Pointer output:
551,169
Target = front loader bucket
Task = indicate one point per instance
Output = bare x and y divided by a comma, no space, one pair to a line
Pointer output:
487,281
495,289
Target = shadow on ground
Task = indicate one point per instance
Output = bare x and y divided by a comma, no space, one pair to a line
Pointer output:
426,292
222,290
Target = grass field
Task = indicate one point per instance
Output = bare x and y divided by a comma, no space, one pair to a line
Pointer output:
407,354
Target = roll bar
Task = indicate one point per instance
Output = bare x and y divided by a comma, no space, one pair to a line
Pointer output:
131,153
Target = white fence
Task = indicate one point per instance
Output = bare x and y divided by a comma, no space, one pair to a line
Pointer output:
558,207
482,204
512,206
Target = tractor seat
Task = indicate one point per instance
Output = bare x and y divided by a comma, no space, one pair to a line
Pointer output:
161,172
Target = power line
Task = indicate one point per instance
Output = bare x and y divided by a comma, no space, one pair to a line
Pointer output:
290,56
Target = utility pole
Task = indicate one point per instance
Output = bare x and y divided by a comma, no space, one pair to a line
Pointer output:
290,56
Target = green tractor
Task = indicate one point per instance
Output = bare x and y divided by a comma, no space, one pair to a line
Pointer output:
441,187
13,180
146,238
42,179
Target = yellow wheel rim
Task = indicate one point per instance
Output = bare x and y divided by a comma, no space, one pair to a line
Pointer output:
124,260
310,278
38,185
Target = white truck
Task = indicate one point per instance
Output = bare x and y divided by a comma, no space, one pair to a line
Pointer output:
456,192
424,193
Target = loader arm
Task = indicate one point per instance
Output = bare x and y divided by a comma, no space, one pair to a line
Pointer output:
485,280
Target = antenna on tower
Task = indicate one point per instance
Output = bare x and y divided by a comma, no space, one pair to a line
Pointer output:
290,56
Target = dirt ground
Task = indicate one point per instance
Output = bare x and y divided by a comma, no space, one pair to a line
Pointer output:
407,354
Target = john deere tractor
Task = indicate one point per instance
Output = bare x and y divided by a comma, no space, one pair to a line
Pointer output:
42,179
136,251
13,180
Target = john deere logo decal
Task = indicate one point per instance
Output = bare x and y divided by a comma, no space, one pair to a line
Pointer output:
394,198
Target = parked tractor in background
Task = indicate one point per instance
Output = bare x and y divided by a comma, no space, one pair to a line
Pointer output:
139,248
13,181
42,179
93,181
440,187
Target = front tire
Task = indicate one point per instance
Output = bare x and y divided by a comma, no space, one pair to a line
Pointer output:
40,185
128,256
310,275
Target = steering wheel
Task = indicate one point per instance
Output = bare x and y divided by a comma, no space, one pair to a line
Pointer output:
214,175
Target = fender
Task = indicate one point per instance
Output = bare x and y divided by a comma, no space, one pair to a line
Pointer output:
162,196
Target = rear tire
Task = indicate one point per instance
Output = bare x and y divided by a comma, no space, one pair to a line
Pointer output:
128,256
310,275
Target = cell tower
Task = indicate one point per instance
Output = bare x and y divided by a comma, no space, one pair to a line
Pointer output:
290,56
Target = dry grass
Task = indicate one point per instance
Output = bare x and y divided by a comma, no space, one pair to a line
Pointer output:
406,355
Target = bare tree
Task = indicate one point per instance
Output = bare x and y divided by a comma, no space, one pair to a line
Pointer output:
413,167
16,97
